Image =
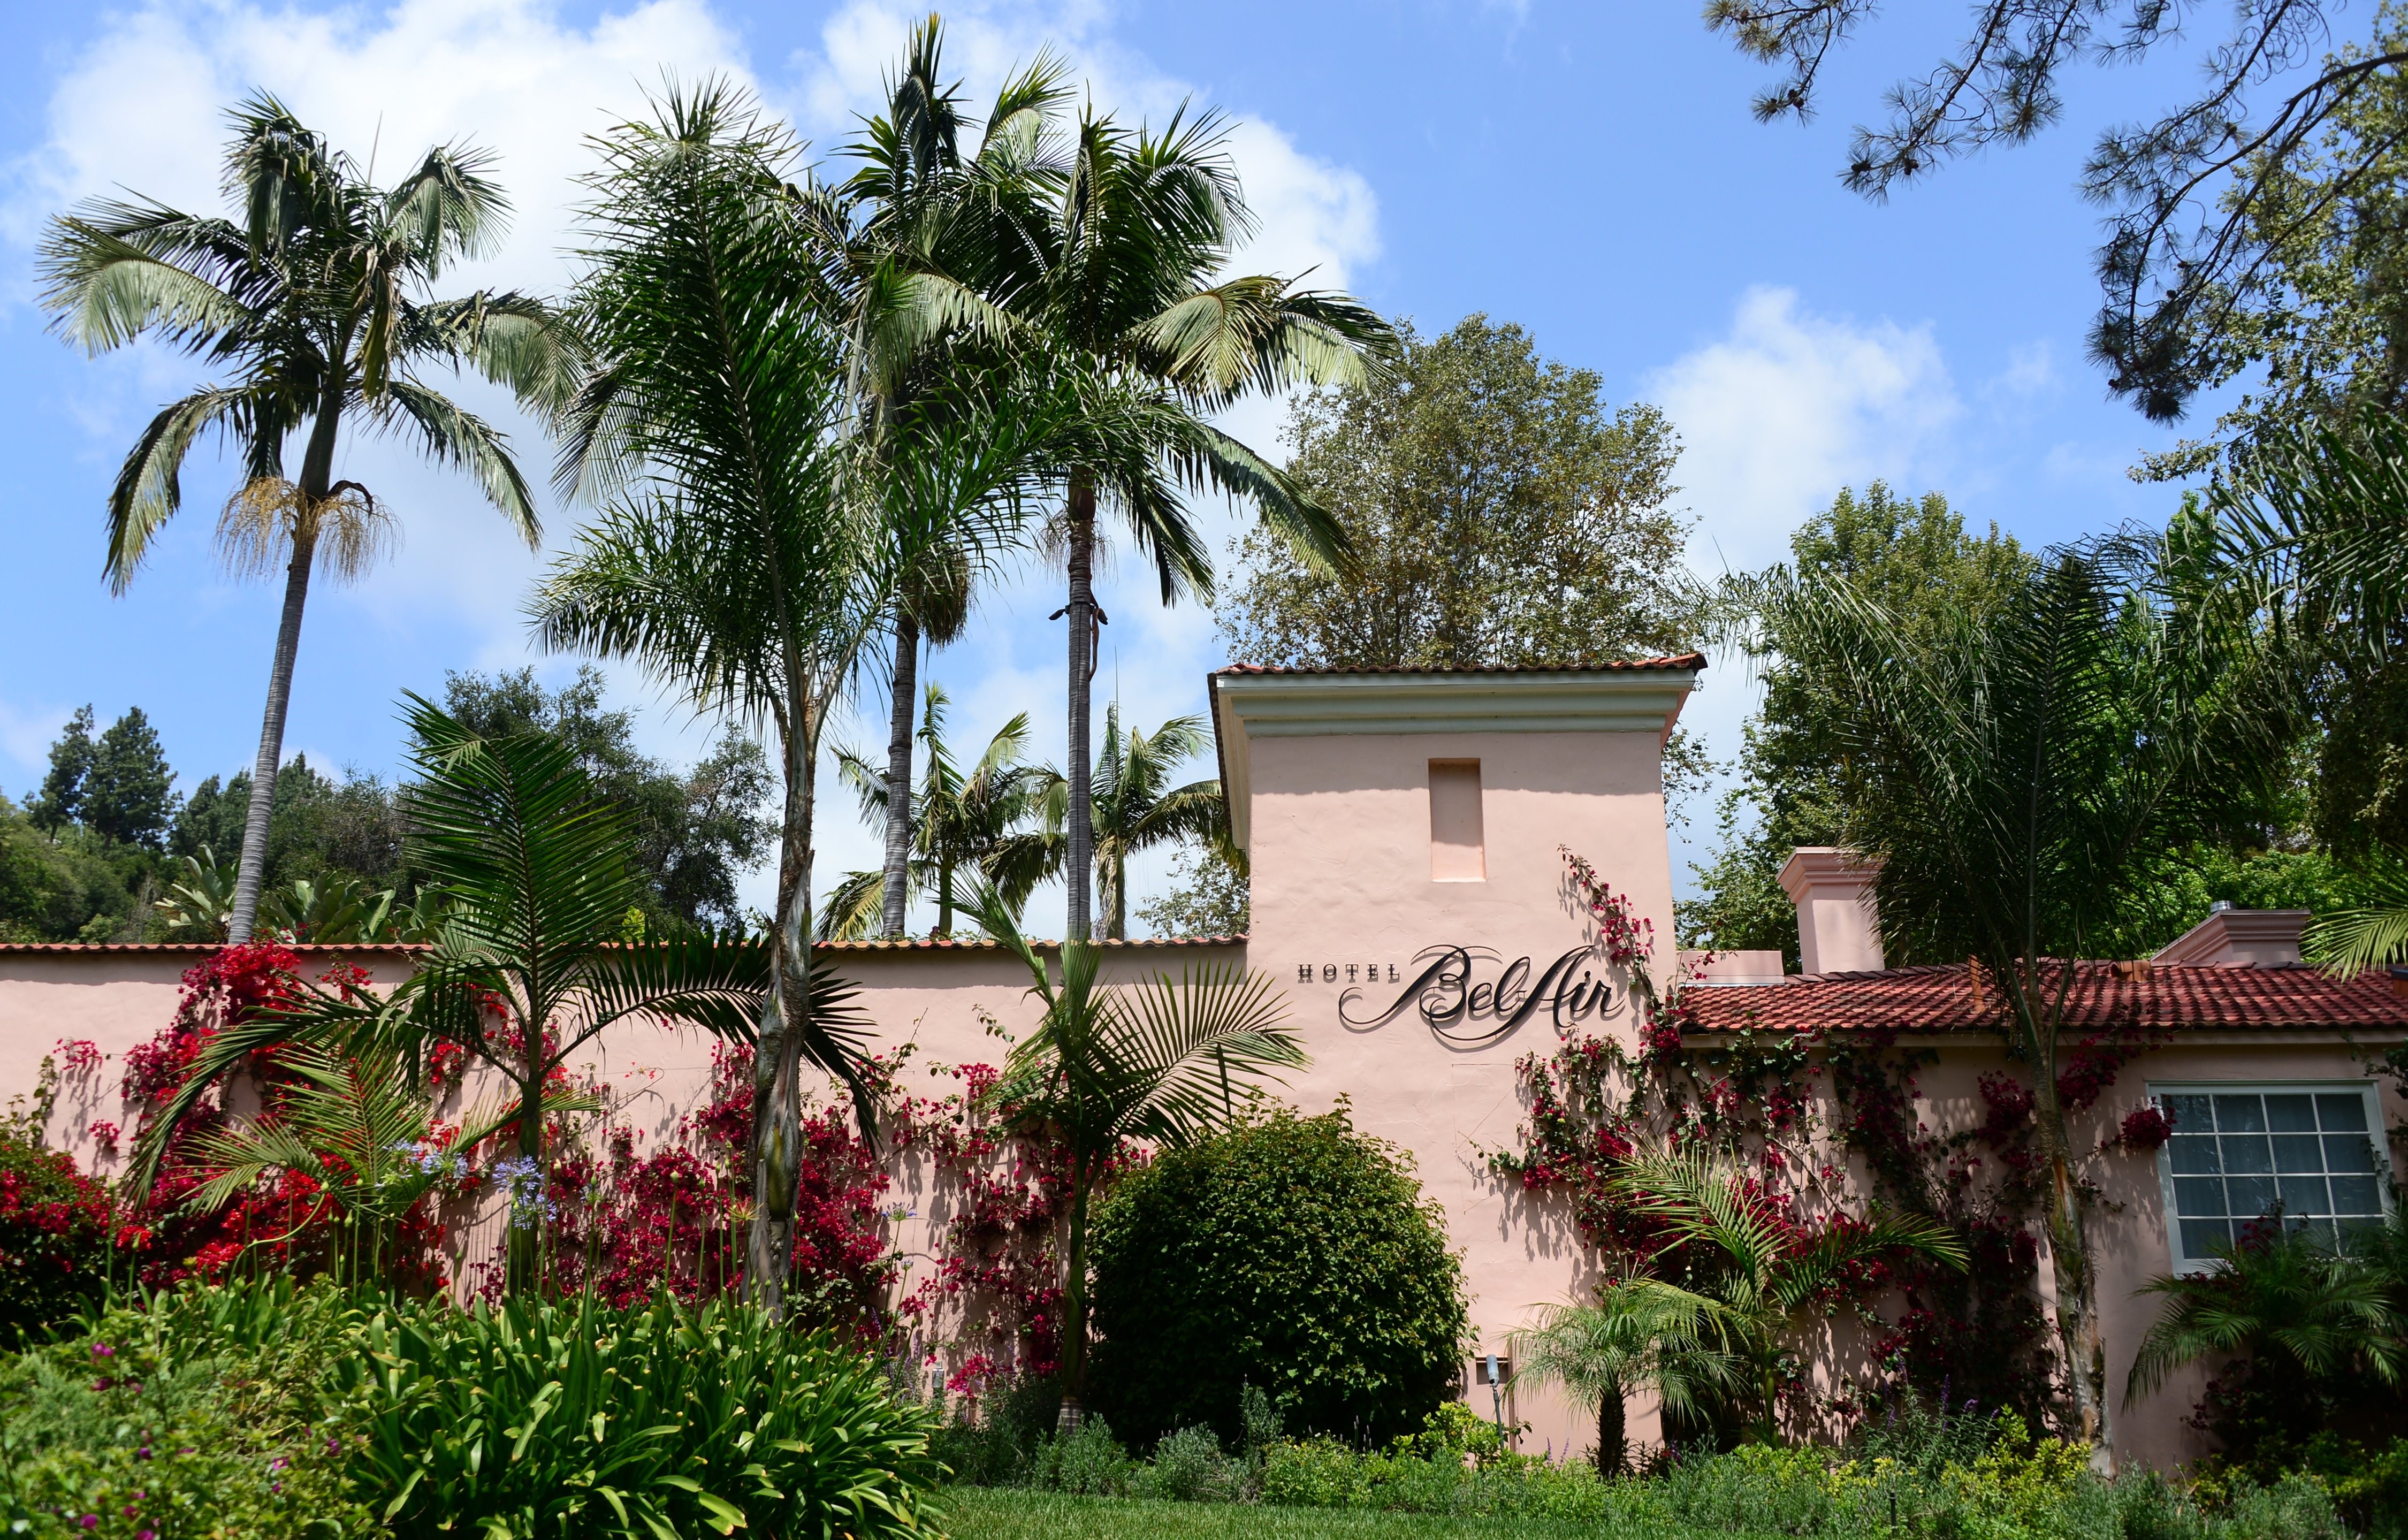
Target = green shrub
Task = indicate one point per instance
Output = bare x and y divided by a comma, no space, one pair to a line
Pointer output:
991,1442
551,1418
1088,1463
1290,1253
55,1234
1189,1467
206,1414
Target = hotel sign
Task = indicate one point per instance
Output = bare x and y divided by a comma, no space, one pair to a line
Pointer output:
1457,996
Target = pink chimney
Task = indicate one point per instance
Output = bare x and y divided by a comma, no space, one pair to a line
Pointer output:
1834,890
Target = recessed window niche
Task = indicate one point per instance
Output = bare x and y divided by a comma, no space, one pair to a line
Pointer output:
1458,843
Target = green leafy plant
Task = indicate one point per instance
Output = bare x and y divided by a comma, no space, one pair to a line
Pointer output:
542,1417
363,1130
207,1410
529,964
1295,1255
1755,1274
2302,1337
1639,1333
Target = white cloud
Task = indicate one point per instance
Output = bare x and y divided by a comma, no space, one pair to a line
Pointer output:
1788,407
26,734
1775,416
509,75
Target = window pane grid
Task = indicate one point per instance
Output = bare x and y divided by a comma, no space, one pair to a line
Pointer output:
2237,1154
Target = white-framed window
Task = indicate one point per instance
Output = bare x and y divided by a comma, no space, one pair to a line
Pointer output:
2241,1149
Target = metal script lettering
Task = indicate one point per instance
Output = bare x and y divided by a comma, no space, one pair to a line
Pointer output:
1472,1015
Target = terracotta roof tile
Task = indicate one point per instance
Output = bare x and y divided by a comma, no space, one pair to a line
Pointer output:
1686,661
312,948
2171,997
192,948
980,945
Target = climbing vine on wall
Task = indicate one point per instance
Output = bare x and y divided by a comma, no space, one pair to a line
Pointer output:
1751,1097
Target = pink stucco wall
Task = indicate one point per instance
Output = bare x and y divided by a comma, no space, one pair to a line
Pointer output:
112,997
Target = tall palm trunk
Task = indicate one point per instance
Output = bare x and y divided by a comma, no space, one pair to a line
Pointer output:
777,1064
898,770
1082,611
2068,1250
317,472
1074,1306
1115,864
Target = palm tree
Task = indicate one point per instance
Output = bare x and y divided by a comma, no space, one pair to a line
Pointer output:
2320,519
313,297
358,1128
750,546
537,875
1141,222
1135,810
2296,1309
528,963
2013,775
970,822
931,223
1641,1333
1764,1280
1165,1062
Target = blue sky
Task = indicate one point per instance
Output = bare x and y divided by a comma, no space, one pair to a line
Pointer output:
1589,171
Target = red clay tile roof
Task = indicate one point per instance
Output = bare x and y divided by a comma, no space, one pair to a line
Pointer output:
925,944
2171,997
976,943
194,948
1686,661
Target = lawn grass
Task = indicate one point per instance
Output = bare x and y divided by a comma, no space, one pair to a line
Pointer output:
988,1513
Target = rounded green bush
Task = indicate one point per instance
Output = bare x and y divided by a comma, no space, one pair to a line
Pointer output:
1291,1253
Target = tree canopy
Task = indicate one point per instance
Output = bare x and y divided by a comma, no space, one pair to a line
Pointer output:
1500,511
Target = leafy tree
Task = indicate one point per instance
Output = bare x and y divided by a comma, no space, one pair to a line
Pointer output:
1208,896
315,298
1498,512
1914,557
1751,1280
64,887
2316,327
1160,1060
127,796
1296,1256
60,800
696,833
1639,1334
318,826
2011,774
2206,199
1136,809
996,821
